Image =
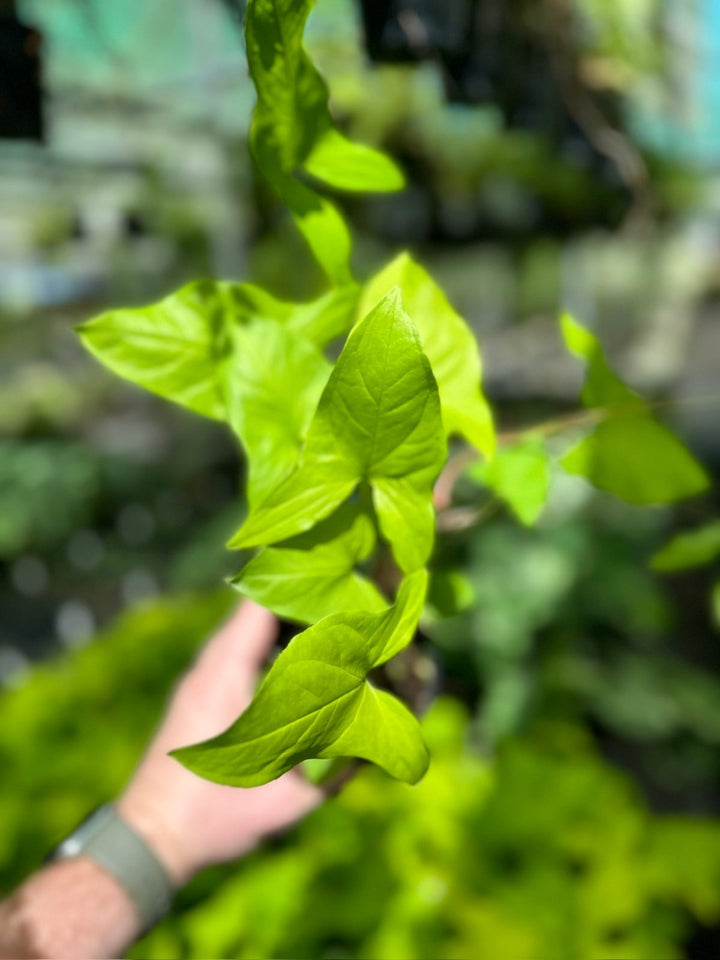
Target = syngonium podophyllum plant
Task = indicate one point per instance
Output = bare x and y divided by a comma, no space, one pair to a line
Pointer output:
342,459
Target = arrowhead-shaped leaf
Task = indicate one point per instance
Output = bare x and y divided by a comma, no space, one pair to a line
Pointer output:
175,347
378,421
448,343
520,474
314,574
316,702
629,454
274,381
171,347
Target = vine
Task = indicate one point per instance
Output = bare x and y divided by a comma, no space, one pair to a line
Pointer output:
343,459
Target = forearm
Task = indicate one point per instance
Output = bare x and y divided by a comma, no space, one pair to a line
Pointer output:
70,909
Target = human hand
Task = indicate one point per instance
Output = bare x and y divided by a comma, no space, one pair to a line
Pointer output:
189,822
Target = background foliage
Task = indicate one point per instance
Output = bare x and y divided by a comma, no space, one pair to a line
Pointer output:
573,799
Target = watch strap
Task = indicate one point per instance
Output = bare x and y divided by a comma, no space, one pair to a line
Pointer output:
108,840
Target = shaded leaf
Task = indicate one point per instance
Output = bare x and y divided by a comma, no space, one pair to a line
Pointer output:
693,548
629,454
313,575
449,344
326,318
320,320
378,421
449,593
638,460
274,380
602,388
316,702
520,474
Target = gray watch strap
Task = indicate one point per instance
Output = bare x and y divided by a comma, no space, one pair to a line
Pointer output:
121,852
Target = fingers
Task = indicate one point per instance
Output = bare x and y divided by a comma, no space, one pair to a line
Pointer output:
243,642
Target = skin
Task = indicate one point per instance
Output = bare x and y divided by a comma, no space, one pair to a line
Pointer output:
73,909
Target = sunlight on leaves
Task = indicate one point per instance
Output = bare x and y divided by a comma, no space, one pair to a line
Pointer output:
292,129
316,702
449,344
378,421
171,347
313,575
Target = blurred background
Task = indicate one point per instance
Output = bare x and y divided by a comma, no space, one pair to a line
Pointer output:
560,153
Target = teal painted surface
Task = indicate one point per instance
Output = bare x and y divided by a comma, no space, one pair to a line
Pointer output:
133,43
687,126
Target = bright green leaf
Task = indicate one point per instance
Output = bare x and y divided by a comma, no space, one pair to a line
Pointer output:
448,343
316,702
520,474
319,220
171,347
693,548
291,95
292,129
629,454
274,381
314,575
346,165
378,421
292,105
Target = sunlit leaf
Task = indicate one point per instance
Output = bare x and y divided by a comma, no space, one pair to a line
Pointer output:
448,343
629,453
346,165
378,421
292,130
171,347
316,702
319,220
314,575
693,548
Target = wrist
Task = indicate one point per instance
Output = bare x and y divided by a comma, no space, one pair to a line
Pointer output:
156,828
